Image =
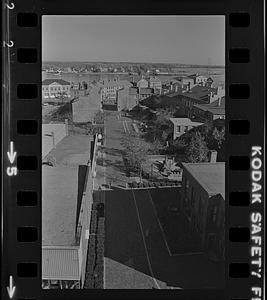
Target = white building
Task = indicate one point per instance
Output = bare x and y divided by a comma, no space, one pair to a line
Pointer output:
54,88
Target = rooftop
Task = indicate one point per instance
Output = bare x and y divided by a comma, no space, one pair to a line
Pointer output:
184,121
60,263
211,176
60,190
217,107
59,202
72,150
59,81
200,93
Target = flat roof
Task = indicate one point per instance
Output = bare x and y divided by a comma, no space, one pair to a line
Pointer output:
211,176
72,150
60,189
60,264
59,204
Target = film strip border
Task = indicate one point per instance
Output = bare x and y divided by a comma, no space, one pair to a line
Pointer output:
22,163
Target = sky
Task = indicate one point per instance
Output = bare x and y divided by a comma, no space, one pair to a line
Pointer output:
160,39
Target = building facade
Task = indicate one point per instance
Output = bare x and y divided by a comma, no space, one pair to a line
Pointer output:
109,92
55,88
155,84
203,203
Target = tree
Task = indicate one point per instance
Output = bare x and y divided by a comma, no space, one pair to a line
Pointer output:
219,136
197,149
135,153
99,117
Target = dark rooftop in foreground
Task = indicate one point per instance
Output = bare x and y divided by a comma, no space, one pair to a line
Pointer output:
211,176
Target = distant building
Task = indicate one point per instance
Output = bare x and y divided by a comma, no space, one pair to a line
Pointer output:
127,99
109,92
198,79
54,88
199,95
156,84
209,112
186,82
145,93
209,82
66,212
142,83
203,202
182,125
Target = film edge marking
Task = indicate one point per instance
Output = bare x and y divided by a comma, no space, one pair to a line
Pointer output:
11,288
11,170
256,221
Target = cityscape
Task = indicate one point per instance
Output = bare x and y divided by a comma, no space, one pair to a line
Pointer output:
133,172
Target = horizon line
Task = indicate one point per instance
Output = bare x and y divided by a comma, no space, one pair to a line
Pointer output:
130,62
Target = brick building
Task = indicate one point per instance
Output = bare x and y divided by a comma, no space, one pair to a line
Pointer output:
203,202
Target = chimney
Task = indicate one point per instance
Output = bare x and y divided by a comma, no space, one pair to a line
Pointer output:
212,156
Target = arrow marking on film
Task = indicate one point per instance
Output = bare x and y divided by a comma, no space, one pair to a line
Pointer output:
11,288
11,154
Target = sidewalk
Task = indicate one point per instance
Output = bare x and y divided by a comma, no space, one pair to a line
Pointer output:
110,170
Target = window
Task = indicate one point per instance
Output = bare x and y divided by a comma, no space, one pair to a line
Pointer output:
178,128
213,214
186,186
